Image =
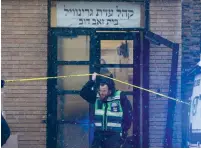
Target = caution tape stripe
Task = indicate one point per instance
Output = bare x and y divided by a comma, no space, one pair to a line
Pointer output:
81,75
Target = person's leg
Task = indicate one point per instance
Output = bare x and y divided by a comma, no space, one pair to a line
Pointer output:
113,141
97,141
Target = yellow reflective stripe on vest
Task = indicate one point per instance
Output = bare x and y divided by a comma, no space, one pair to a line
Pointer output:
99,112
108,124
117,97
116,114
98,124
113,124
113,98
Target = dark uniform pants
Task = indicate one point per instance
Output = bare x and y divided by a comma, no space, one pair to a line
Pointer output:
106,140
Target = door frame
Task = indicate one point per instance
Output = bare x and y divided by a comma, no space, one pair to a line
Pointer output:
52,92
51,116
154,38
135,37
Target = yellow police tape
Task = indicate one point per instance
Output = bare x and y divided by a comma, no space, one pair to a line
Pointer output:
81,75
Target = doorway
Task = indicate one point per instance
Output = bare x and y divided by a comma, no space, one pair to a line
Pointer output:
88,52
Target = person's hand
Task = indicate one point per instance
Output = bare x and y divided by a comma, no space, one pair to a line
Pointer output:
94,76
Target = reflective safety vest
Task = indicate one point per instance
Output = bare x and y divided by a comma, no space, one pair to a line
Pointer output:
109,114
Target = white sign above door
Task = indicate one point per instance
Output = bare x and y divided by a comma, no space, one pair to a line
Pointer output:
98,14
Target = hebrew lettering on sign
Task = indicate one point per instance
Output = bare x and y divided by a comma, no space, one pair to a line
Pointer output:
124,13
88,20
94,21
99,21
70,11
73,11
78,12
80,21
81,12
118,11
103,21
108,21
105,10
110,13
91,12
98,12
114,21
130,13
66,11
84,21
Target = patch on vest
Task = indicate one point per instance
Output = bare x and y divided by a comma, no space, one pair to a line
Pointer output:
115,107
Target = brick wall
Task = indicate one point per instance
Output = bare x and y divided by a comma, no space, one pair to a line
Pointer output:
24,55
191,32
165,20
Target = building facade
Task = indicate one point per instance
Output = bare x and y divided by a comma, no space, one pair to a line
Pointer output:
40,38
24,55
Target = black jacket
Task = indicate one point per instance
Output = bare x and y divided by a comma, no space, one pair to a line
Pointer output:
5,131
89,95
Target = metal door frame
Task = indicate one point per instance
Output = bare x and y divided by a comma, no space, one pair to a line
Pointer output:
135,37
52,71
53,92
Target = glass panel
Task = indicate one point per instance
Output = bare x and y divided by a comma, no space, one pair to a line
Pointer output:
122,74
75,130
117,51
72,83
73,108
73,136
73,49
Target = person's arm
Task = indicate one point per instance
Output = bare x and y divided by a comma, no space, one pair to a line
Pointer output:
127,113
88,92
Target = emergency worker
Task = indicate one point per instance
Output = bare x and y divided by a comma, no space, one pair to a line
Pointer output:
112,115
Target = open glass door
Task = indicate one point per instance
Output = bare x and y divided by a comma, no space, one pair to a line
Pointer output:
72,110
119,53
